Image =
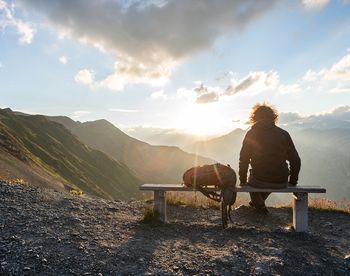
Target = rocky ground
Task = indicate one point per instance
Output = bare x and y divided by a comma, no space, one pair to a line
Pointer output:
44,232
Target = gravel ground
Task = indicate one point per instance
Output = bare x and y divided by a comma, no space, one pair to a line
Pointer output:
44,232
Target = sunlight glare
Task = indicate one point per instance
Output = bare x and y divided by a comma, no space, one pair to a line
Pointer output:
202,120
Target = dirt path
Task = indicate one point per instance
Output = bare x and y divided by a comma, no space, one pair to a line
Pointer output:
43,232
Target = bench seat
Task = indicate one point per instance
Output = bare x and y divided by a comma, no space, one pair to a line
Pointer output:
238,189
299,197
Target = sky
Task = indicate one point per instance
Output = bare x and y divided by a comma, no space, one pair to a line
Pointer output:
197,66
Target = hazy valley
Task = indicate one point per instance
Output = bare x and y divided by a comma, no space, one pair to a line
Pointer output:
323,143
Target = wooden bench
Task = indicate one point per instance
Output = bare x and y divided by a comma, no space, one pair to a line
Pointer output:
299,197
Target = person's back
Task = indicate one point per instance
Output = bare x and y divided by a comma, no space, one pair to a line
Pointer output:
266,148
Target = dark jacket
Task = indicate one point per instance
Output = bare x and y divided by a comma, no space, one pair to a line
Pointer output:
266,148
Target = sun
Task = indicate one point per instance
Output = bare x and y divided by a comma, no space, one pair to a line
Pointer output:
202,120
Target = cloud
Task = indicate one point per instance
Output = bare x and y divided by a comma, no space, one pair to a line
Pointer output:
335,79
340,70
290,88
341,112
148,38
80,113
254,82
207,98
159,95
124,110
340,89
311,75
126,73
322,120
121,77
289,117
206,94
314,4
25,30
242,85
85,76
63,60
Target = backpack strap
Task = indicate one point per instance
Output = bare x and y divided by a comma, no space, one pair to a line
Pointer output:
228,196
209,194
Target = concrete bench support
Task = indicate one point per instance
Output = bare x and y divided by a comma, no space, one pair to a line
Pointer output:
299,193
160,205
300,212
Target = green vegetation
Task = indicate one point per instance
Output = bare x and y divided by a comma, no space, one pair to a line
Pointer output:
76,192
150,215
20,181
33,139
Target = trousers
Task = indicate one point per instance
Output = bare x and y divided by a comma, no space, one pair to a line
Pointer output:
258,199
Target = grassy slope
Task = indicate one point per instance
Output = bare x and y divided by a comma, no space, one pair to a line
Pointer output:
157,164
60,154
14,170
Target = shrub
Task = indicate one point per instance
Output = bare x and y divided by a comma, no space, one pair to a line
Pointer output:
150,215
20,181
76,192
330,205
325,204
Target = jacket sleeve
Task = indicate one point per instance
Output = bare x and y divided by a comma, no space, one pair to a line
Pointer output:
244,158
294,162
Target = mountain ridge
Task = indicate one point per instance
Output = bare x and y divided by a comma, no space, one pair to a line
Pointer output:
51,147
151,163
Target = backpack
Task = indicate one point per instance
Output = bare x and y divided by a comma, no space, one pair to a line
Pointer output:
204,178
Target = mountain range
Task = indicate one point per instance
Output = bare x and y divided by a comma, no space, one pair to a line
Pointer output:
45,153
163,136
98,158
94,157
152,164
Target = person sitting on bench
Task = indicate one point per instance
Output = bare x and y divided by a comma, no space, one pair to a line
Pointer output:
266,148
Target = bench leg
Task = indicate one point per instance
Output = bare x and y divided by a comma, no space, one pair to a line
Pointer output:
160,204
300,212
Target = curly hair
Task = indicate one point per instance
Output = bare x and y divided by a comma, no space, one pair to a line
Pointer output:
263,111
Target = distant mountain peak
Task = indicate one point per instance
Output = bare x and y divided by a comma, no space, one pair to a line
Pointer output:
102,122
6,110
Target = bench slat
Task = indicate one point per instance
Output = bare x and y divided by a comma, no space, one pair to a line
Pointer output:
183,188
